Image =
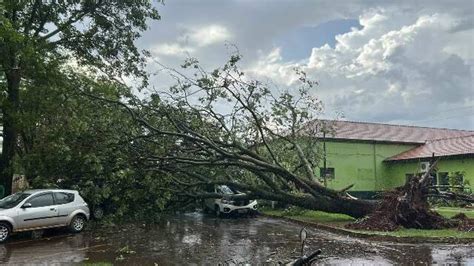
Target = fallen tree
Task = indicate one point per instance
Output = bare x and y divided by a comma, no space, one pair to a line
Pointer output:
221,127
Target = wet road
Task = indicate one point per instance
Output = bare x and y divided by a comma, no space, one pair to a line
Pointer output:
198,239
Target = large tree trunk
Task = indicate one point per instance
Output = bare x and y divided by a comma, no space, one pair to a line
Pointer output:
10,133
356,208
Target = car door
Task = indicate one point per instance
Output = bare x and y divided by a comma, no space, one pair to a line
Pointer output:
65,205
42,212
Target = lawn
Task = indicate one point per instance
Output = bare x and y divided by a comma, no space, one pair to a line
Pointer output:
439,233
451,211
326,218
339,220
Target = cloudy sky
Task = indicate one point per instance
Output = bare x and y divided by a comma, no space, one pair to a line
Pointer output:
402,62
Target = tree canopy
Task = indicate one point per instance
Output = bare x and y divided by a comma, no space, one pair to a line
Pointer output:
38,36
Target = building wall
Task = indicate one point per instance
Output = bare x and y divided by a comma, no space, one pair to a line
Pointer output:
362,164
396,172
359,163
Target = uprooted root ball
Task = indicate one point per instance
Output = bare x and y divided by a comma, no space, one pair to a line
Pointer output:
407,207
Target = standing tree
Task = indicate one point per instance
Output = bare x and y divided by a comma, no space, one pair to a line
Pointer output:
36,34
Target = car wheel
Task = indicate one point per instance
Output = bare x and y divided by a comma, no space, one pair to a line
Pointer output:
4,232
217,211
98,213
77,224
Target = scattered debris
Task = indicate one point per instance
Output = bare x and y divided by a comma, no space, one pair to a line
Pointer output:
465,223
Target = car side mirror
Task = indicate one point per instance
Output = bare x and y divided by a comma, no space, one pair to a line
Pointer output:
26,205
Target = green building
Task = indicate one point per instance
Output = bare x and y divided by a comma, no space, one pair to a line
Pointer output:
376,157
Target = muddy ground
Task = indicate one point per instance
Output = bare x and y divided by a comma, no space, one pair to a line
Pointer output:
199,239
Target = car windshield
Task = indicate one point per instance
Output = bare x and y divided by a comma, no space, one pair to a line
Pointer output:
13,200
226,190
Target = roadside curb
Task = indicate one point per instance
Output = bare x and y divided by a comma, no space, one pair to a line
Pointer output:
375,237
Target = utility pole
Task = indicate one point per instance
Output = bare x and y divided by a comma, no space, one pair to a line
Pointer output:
324,160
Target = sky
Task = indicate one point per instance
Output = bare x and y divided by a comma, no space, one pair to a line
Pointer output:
398,62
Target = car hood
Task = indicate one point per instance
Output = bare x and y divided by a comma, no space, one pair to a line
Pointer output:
234,196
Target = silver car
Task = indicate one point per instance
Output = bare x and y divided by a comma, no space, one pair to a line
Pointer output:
41,209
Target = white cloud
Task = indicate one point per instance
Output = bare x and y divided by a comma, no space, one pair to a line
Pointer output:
206,35
398,67
459,47
410,60
191,40
271,66
274,56
171,49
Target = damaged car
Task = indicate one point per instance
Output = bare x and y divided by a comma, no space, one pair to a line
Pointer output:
233,202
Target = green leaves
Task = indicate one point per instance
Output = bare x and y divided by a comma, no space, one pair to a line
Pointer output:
38,40
73,140
95,33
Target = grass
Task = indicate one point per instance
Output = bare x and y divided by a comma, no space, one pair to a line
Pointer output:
449,212
339,220
316,217
438,233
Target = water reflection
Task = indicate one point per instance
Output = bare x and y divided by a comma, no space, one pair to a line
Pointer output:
197,239
51,249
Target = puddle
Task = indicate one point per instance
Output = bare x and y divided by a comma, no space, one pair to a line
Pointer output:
199,239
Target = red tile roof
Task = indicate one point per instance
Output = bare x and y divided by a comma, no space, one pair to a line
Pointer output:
441,147
347,130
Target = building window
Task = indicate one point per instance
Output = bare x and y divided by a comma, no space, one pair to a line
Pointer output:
443,180
327,173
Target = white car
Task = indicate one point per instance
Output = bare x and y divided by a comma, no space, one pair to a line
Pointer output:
40,209
229,204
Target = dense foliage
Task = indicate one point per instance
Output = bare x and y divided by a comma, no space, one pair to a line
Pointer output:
36,36
71,140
